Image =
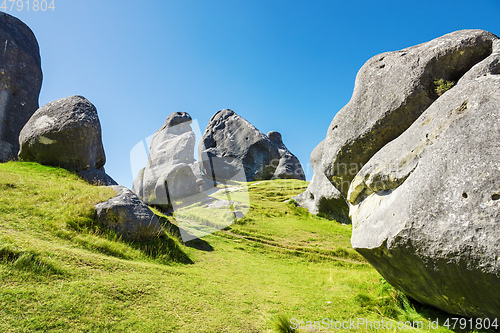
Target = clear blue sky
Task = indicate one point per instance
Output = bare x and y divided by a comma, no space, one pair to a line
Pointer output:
283,65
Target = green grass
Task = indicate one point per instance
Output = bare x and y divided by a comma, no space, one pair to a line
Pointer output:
441,86
60,272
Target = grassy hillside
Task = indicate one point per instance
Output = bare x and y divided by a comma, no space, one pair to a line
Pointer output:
60,272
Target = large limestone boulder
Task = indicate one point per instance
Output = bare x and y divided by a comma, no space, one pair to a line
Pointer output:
288,166
169,171
66,133
230,143
20,82
128,216
426,209
391,91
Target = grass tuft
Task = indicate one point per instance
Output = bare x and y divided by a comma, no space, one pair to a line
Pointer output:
282,324
441,86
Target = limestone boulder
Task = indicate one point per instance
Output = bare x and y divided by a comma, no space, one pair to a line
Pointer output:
426,209
288,166
230,144
166,175
66,133
20,82
128,216
391,91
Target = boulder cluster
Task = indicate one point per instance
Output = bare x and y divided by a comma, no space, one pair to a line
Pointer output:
231,149
413,160
67,133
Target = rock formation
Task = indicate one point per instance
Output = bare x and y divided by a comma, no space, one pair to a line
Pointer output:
425,208
169,173
391,91
419,167
231,143
66,133
128,216
289,166
20,82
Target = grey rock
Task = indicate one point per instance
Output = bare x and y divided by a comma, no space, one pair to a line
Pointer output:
177,182
391,91
177,118
325,200
196,167
321,197
6,151
97,177
426,209
137,185
490,65
64,133
289,166
128,216
230,143
20,82
166,175
238,214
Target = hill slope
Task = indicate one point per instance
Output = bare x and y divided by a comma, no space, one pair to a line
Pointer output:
60,272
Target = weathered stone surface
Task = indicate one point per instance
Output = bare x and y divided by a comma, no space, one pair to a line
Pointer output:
20,82
325,200
231,143
165,176
391,91
196,167
138,184
288,166
426,208
128,216
178,182
64,133
490,65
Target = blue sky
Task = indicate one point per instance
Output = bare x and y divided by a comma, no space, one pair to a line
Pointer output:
287,66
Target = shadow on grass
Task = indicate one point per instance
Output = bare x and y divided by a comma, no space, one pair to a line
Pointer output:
164,249
199,244
175,231
29,261
454,322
